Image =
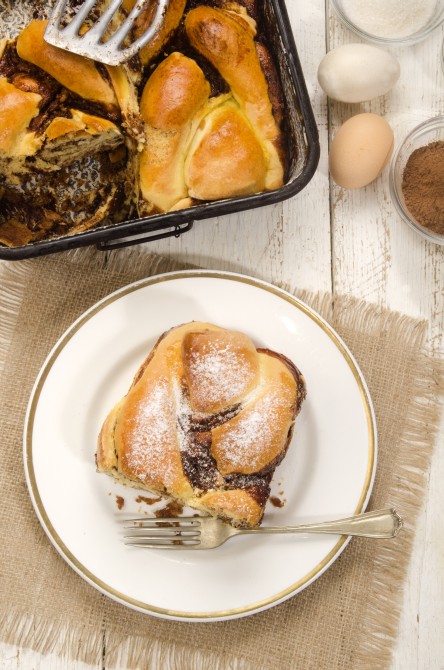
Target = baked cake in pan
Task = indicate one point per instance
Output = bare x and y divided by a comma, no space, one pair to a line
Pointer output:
197,116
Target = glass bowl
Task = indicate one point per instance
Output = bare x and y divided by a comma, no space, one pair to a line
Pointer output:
368,23
424,134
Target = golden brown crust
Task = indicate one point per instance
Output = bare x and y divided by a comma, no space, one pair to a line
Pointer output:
226,158
69,139
253,440
106,454
170,101
231,49
174,93
235,506
207,386
150,414
76,73
249,6
79,121
17,109
221,147
206,421
61,141
241,15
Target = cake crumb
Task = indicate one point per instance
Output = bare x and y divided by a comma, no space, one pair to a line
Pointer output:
173,509
277,502
148,501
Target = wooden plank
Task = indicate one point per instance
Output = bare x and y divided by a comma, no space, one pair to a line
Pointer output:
378,258
306,235
12,658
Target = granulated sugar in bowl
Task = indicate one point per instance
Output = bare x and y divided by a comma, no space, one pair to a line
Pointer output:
391,22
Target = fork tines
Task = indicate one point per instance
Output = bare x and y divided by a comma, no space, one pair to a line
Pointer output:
168,533
162,521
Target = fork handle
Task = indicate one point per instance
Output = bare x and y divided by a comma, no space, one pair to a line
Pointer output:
379,524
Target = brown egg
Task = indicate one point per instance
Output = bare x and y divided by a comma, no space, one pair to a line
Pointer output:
360,150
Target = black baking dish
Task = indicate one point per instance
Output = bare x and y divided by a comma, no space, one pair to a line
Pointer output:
303,144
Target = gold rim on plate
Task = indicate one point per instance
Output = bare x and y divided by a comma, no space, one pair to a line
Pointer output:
69,556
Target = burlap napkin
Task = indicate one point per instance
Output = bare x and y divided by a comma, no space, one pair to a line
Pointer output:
347,619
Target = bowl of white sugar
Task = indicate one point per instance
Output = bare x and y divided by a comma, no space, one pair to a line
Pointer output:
391,22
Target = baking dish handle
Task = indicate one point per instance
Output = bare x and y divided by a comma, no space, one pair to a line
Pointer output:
177,231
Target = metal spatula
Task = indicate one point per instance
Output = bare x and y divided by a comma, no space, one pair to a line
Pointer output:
95,43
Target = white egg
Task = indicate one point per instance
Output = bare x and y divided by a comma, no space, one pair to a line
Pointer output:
357,72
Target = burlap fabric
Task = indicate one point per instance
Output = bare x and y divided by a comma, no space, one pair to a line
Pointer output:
347,619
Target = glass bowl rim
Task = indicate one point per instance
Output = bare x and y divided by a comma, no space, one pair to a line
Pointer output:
405,40
433,123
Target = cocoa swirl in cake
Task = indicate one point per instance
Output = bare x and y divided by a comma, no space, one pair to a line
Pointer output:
207,420
200,466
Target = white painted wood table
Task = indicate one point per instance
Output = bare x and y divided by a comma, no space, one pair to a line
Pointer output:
347,242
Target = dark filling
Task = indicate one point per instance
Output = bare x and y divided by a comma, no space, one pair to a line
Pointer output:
257,486
199,465
34,217
204,423
216,81
56,100
41,9
201,469
173,509
147,500
277,502
28,77
48,203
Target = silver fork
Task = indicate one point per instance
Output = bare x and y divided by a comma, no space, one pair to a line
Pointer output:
91,43
205,532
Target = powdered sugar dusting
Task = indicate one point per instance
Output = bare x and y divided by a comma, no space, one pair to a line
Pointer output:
218,374
226,442
152,436
183,414
253,435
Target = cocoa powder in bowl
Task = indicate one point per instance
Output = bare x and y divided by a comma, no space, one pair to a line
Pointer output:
423,186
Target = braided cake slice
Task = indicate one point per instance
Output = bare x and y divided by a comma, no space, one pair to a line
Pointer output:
206,422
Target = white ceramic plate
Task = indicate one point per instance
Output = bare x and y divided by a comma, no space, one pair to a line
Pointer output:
328,471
